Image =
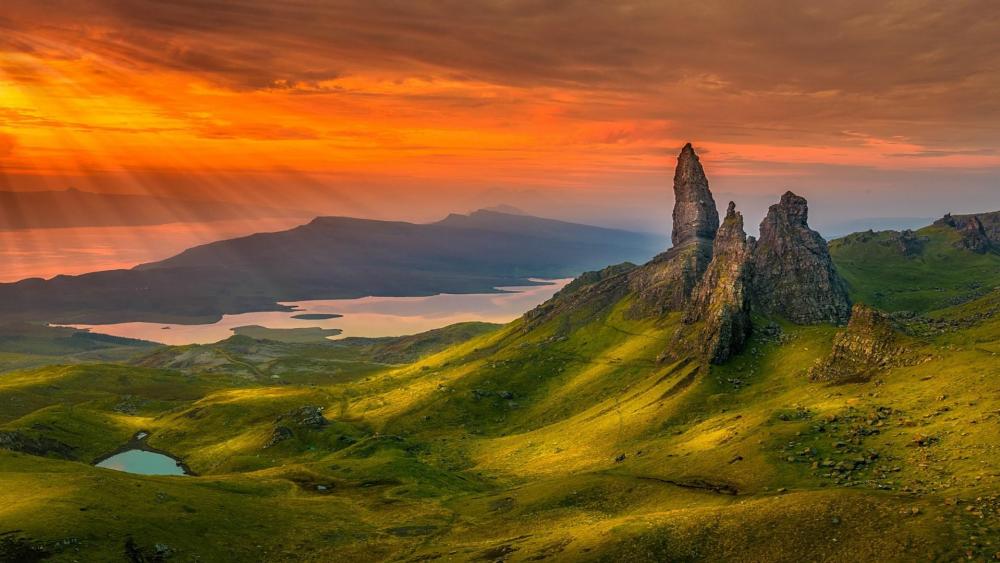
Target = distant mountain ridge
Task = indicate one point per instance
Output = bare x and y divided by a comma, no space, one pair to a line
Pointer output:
330,258
77,208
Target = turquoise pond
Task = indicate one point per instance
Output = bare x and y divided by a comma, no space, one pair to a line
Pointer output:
143,462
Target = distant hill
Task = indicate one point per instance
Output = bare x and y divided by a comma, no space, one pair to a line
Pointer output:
330,258
77,208
922,270
842,228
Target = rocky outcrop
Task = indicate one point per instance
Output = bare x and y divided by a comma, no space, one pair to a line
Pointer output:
18,441
721,301
793,275
594,292
666,283
308,417
974,236
279,435
979,233
870,343
991,225
909,244
594,277
695,215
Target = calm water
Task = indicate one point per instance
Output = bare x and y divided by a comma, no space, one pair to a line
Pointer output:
143,463
368,316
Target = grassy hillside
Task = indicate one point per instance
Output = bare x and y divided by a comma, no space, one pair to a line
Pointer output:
935,275
24,345
567,439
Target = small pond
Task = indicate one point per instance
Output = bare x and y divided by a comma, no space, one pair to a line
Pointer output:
144,463
137,457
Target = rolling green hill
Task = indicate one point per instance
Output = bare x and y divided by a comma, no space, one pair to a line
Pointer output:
566,439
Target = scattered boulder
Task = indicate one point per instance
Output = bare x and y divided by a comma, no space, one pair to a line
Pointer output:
308,416
22,550
722,299
792,272
280,434
870,343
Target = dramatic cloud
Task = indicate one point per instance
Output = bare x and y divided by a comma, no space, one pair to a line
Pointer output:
516,93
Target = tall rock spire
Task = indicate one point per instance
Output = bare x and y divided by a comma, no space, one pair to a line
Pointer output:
666,283
695,215
793,274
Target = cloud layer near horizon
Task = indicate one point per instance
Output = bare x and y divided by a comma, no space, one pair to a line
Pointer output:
448,96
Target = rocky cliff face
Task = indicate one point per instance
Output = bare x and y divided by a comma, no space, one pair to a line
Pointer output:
974,236
721,300
867,345
666,283
793,275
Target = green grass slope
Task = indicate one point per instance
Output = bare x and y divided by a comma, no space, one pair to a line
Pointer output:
568,439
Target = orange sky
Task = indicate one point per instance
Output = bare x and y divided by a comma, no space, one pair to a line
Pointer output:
572,109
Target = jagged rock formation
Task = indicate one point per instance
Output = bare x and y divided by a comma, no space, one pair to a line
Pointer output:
793,275
715,275
722,298
666,283
979,232
909,243
869,343
974,236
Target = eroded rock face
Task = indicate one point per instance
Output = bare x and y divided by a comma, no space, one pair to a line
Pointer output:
793,275
721,299
974,236
870,343
665,283
695,215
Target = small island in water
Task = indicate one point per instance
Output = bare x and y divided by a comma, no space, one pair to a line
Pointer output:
287,335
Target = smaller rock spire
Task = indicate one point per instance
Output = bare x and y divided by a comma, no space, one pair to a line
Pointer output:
721,301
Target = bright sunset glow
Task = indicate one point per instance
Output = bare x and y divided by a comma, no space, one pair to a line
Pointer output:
389,109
